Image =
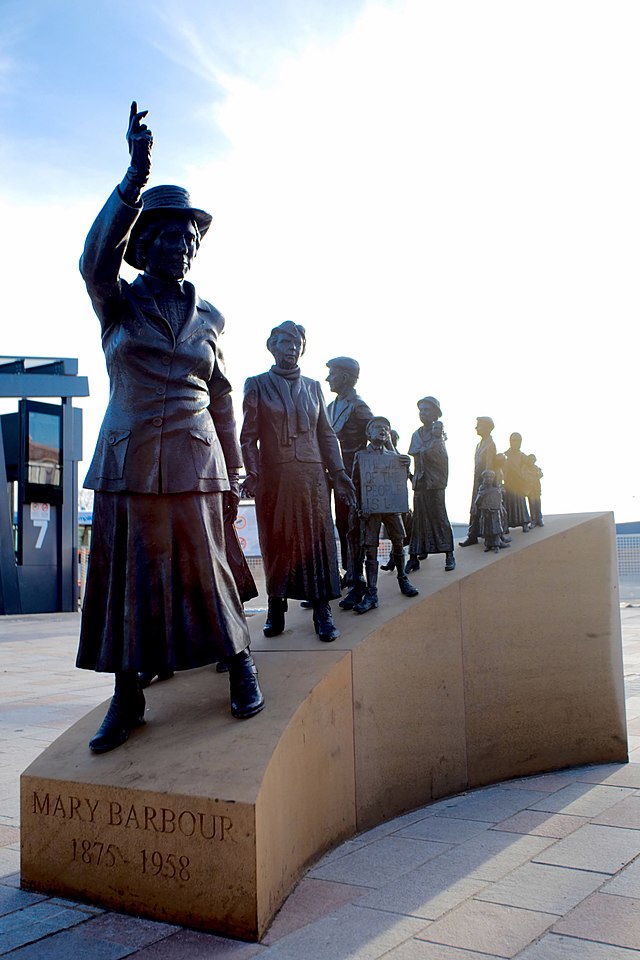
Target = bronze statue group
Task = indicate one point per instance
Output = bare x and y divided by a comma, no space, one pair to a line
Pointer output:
167,578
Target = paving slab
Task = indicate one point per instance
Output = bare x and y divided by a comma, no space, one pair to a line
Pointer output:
599,848
490,804
62,946
490,855
626,883
539,824
488,928
553,947
189,945
538,886
614,774
376,863
422,893
133,932
582,799
606,918
311,900
623,814
351,932
421,950
444,829
38,921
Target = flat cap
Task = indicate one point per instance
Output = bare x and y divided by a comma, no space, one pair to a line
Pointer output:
345,363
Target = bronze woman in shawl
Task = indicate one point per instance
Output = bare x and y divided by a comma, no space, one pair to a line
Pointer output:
289,447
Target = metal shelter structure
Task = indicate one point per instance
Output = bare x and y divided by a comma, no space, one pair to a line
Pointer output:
40,446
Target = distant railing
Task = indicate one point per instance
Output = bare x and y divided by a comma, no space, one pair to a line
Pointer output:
628,554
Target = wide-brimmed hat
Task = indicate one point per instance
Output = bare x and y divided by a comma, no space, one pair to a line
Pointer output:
430,401
160,202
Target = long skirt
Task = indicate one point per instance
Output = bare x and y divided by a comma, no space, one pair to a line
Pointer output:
517,512
431,531
296,532
160,591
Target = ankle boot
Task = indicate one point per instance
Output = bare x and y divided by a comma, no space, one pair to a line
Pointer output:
126,711
368,602
370,598
323,622
245,694
412,563
354,596
449,562
390,564
406,587
274,624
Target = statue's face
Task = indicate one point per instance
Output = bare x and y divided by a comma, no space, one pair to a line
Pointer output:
515,441
174,247
483,429
286,350
337,379
427,413
378,432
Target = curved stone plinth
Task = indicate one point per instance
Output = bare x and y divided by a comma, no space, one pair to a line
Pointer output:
510,665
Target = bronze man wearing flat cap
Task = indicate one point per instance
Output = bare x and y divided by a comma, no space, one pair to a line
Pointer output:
161,592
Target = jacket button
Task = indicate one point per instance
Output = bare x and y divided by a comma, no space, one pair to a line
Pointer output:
166,361
157,421
160,391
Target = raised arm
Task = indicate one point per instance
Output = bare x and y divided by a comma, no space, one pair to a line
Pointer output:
107,239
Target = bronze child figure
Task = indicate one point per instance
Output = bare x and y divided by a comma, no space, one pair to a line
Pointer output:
431,531
161,594
488,508
380,478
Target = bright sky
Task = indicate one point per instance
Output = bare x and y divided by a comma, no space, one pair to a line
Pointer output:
446,191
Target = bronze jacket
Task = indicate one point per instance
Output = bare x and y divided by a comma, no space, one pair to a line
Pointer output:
169,426
264,439
349,418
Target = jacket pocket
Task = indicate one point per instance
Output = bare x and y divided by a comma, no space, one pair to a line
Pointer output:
203,450
115,444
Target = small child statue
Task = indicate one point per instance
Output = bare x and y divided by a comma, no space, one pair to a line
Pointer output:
380,478
533,475
488,506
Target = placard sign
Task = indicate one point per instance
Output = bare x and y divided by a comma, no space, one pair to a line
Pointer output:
383,483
